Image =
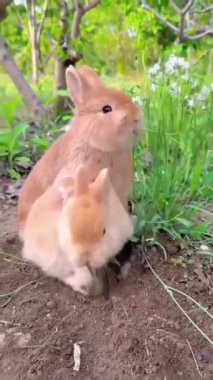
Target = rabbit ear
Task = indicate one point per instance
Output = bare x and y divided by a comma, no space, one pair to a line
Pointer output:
75,85
66,187
81,181
90,76
101,185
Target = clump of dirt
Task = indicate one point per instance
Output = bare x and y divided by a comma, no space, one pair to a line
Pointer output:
138,333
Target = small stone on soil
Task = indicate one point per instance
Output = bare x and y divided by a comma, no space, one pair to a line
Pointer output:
171,249
179,373
51,304
198,356
24,340
206,356
77,357
153,251
35,274
2,340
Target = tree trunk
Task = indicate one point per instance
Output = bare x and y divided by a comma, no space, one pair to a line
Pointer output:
19,81
39,29
35,57
33,40
60,83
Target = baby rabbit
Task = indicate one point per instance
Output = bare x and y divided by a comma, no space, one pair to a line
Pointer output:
105,127
74,228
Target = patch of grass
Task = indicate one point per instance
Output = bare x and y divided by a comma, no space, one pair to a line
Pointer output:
173,164
20,141
12,130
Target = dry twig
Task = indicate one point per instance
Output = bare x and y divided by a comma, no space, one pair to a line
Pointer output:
194,358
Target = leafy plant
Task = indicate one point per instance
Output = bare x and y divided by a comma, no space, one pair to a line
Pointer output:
11,147
173,163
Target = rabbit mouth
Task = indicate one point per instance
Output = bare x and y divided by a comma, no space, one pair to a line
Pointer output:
138,130
135,136
137,133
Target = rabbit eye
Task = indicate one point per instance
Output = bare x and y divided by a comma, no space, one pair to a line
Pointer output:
107,109
104,231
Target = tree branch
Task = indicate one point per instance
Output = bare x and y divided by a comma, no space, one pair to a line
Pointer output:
77,5
92,4
181,31
208,32
160,18
79,12
189,23
187,7
184,10
174,5
205,10
41,25
28,9
21,22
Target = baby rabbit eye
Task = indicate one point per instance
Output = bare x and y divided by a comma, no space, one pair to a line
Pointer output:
104,231
106,109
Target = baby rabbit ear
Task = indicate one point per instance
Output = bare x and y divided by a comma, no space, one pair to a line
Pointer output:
75,85
102,184
66,187
90,76
81,181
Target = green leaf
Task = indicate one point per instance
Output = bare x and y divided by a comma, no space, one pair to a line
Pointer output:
40,143
184,222
20,130
63,93
66,118
5,137
23,160
14,174
3,153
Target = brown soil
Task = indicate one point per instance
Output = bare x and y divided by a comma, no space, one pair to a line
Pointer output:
138,333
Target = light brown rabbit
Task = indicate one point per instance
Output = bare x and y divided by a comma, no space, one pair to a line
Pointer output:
103,131
76,227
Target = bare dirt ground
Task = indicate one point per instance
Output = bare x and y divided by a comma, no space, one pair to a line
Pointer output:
138,333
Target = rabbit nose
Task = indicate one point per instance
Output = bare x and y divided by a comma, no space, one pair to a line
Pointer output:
137,118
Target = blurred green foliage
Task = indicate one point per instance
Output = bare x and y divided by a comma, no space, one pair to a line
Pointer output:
118,36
